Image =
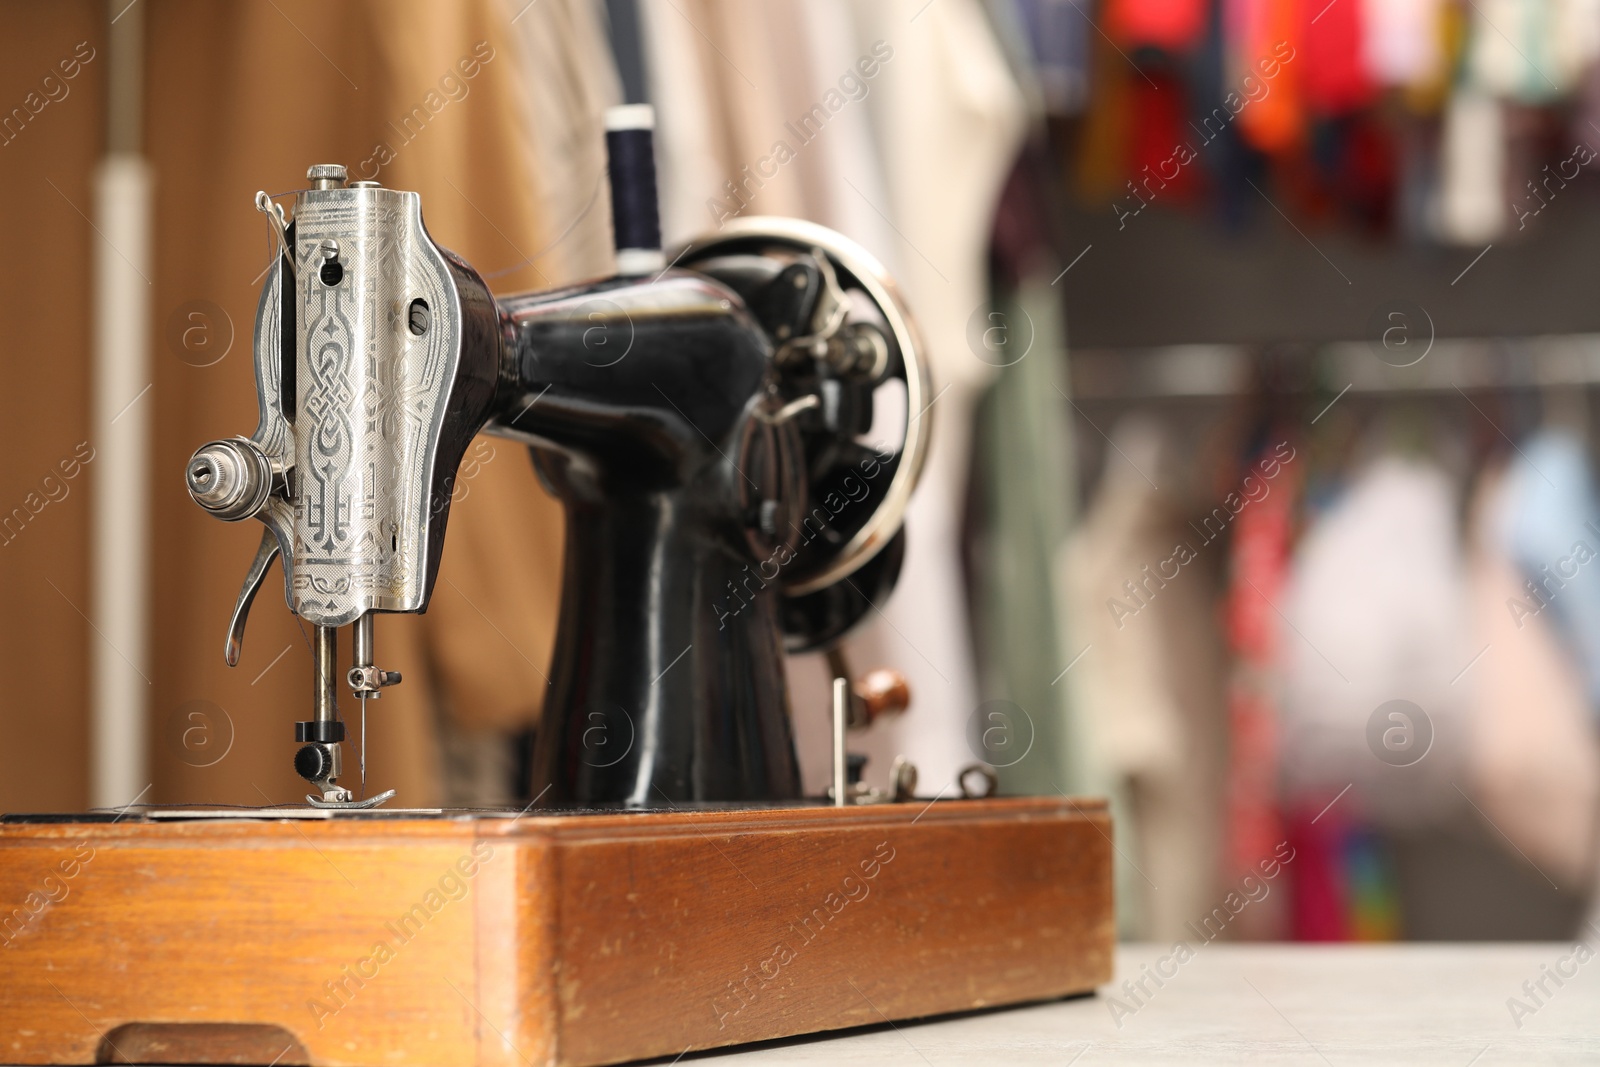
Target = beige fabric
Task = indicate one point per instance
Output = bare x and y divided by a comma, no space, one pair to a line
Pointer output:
567,80
722,75
242,97
730,86
690,164
1150,689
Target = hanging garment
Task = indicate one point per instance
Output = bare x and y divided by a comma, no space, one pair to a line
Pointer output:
1577,39
1342,882
752,102
779,131
1428,95
1417,176
1364,172
1025,491
1162,145
1011,34
1535,764
845,176
1551,530
1262,36
695,162
1333,69
1400,42
1057,34
1099,159
1228,165
567,80
1532,51
1261,515
1139,587
1170,25
1374,612
1318,907
1373,896
796,145
1472,202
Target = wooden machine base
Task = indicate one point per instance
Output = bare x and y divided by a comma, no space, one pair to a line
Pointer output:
542,939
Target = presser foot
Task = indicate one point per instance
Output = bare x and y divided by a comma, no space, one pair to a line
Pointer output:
348,802
321,762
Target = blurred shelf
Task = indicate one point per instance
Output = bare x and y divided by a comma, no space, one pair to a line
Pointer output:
1222,371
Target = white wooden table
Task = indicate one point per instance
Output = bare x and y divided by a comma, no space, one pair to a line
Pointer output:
1268,1004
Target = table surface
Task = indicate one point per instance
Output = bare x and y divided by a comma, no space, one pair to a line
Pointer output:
1263,1004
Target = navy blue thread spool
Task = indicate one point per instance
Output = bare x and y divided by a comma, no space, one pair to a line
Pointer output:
635,213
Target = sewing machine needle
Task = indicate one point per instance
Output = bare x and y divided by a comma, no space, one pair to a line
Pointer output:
363,746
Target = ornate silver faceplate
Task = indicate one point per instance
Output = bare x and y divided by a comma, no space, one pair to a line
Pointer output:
370,402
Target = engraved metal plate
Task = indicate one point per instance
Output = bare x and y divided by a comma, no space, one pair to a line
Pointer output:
370,401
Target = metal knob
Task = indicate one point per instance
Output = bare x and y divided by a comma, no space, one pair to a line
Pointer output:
327,176
883,692
313,762
230,479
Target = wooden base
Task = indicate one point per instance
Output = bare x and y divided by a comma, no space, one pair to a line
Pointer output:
548,939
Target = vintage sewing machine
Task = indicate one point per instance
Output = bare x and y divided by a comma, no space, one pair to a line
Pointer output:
713,423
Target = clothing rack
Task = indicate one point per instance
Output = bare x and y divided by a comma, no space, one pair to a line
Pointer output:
1199,371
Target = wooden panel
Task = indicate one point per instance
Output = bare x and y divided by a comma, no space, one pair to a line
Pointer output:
762,927
265,923
540,940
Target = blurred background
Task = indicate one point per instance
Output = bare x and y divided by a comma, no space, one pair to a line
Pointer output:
1261,496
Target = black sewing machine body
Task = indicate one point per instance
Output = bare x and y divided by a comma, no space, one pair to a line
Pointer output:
642,397
703,425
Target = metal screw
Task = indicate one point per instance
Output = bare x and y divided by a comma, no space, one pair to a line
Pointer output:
418,317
